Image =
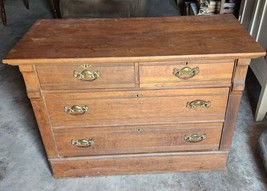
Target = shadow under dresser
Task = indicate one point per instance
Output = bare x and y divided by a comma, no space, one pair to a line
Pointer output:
135,95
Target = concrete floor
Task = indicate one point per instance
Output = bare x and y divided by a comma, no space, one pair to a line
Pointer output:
23,164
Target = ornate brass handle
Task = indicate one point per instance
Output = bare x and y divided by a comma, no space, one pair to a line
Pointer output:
194,138
76,109
186,72
82,142
198,103
86,75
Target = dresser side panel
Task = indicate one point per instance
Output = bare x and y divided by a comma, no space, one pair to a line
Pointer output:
238,84
31,81
39,108
45,128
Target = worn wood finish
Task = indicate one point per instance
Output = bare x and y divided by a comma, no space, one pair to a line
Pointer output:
31,81
57,77
137,109
230,119
239,76
132,164
211,73
120,106
45,128
137,139
139,39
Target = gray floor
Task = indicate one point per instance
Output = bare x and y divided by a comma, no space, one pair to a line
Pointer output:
23,165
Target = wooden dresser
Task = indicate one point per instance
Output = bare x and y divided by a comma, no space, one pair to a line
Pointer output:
139,95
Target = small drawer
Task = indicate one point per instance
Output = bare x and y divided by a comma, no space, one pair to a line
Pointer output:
208,73
60,77
137,139
136,107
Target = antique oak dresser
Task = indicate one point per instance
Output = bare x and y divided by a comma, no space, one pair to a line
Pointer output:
135,95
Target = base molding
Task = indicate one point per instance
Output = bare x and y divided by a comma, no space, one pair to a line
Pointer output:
138,164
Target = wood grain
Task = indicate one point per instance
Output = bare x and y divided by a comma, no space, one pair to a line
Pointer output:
45,128
137,139
211,73
235,95
59,77
31,81
119,107
136,164
134,39
137,108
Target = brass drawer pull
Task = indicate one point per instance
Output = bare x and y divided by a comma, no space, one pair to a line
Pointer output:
76,109
198,103
83,142
194,138
86,75
186,72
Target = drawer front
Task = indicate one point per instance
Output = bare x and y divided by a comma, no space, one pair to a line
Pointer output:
181,74
136,107
137,139
60,77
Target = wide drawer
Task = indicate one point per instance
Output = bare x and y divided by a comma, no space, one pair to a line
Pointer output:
208,73
136,107
137,139
60,77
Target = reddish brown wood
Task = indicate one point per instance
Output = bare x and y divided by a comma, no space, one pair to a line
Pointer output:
45,128
136,105
240,74
31,81
211,73
116,108
132,164
230,119
57,77
137,139
238,85
134,39
39,108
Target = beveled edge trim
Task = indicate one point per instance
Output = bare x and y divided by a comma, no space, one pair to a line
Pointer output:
107,60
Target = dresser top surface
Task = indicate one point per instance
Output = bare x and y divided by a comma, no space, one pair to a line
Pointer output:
134,39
